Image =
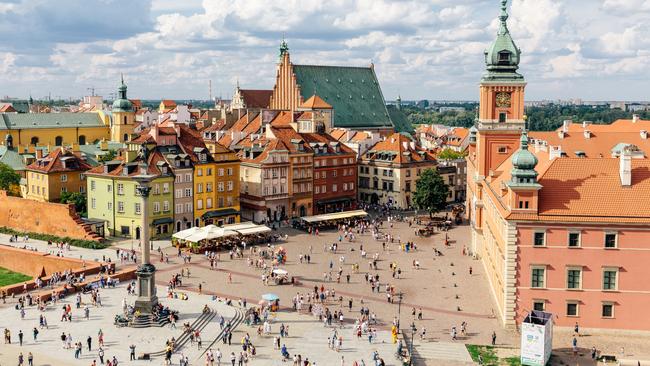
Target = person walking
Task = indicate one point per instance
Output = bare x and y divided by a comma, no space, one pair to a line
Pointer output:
21,359
132,356
89,341
20,337
30,359
494,338
100,353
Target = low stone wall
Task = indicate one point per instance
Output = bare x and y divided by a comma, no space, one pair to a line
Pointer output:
43,217
122,276
33,263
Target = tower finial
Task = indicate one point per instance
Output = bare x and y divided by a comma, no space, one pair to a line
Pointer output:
503,17
122,77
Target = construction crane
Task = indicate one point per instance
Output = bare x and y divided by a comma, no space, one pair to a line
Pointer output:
92,90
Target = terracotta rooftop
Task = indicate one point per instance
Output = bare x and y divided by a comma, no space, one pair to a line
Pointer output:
400,147
59,160
315,102
256,98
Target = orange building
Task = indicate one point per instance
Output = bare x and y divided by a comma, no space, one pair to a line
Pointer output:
58,172
555,216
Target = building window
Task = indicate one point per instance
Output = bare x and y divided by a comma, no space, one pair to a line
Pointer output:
611,240
208,187
208,171
539,239
572,308
607,310
221,172
109,188
92,185
502,117
120,206
573,278
199,188
156,189
539,305
229,171
64,177
156,207
609,279
58,141
408,173
538,275
208,203
93,203
199,172
334,187
574,240
220,186
230,185
138,208
165,187
165,206
199,205
109,206
120,189
188,192
317,190
179,208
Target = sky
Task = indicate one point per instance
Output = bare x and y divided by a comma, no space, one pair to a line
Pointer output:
421,49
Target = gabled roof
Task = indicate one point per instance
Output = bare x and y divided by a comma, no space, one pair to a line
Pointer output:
315,102
7,108
327,140
256,98
54,162
12,158
353,92
400,120
49,120
168,103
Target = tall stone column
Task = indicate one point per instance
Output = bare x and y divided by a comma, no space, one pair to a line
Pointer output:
147,298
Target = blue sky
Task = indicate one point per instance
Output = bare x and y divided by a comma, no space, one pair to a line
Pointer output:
590,49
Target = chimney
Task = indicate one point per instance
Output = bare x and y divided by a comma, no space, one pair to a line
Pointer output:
587,134
584,124
644,134
625,170
392,140
565,125
39,153
560,134
635,118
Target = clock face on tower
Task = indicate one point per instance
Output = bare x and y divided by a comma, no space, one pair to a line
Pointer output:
503,100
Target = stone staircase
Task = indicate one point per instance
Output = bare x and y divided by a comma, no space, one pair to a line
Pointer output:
199,323
234,323
91,235
148,320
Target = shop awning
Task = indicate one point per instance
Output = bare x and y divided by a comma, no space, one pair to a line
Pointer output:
254,230
242,225
209,232
186,233
219,213
164,220
335,216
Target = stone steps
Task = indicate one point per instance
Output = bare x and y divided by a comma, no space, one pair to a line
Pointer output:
199,323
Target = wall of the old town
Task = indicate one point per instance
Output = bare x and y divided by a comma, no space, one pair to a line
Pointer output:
41,217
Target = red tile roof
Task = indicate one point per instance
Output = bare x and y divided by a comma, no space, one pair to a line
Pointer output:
53,162
315,102
256,98
399,144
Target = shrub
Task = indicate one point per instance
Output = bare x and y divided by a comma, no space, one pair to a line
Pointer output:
53,238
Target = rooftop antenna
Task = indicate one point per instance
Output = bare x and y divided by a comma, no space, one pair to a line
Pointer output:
210,87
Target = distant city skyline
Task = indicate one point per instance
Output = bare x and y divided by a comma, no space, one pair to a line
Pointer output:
583,49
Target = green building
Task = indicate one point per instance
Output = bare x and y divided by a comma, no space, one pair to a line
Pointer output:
112,198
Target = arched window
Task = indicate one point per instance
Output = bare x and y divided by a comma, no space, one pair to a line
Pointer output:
58,141
82,140
34,140
126,137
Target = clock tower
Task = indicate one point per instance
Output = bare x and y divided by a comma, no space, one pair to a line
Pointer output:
501,105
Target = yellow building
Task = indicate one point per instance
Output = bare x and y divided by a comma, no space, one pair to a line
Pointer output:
53,129
50,176
216,186
123,117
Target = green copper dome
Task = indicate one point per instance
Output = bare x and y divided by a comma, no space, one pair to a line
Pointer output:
122,104
523,164
503,56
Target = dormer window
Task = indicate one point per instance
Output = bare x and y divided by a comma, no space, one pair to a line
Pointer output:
504,57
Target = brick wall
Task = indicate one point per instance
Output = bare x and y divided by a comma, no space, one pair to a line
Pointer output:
42,217
32,263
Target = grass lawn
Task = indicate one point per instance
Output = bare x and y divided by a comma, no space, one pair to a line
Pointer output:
489,357
8,277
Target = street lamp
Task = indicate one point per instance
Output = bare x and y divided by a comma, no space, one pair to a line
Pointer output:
399,308
413,330
132,233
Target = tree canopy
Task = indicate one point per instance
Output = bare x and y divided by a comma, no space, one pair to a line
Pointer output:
77,199
9,179
449,154
431,192
110,155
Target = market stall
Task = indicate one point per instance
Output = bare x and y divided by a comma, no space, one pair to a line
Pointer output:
330,220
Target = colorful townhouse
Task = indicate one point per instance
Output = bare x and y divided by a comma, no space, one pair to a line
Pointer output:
58,172
388,171
112,197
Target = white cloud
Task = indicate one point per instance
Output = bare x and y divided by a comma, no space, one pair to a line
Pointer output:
421,48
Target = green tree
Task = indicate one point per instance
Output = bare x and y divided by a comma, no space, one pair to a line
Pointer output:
9,179
77,199
449,154
431,192
110,155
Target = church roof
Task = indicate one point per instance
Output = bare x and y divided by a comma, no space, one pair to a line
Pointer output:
353,92
400,121
49,120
